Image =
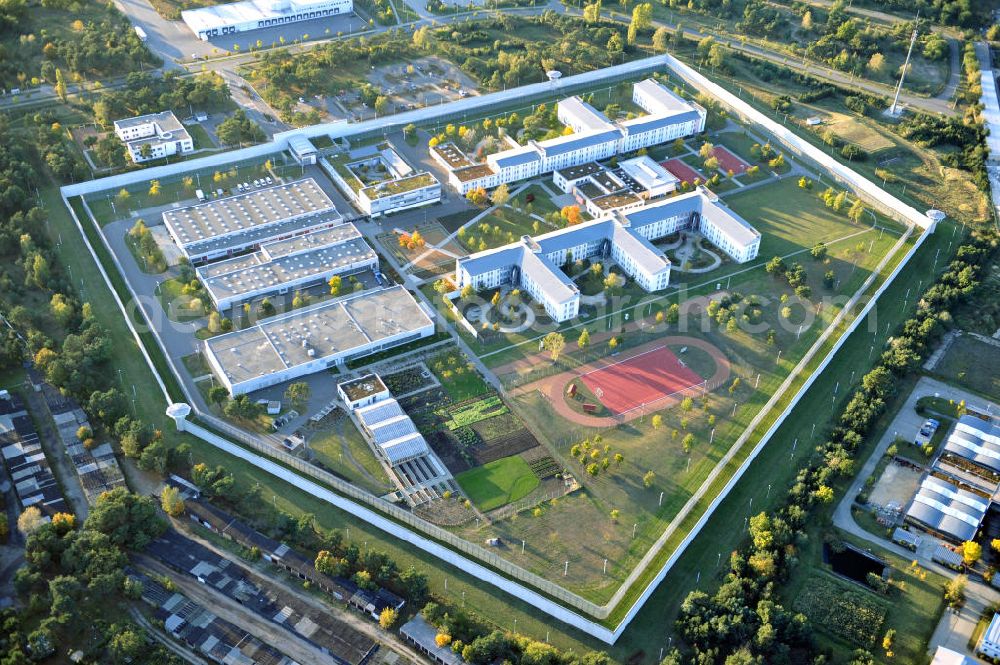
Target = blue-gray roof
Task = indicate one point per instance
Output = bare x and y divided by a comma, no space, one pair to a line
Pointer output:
948,509
648,123
516,158
574,236
977,441
564,144
655,212
501,258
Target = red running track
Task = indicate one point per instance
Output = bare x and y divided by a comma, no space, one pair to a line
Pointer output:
682,171
640,380
729,161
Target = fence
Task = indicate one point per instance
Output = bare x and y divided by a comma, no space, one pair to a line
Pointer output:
352,494
875,195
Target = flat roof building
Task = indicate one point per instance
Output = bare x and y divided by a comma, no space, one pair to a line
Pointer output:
654,180
314,338
946,509
284,265
29,470
989,643
161,132
225,226
227,19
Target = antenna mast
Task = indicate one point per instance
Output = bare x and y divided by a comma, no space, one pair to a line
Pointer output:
894,109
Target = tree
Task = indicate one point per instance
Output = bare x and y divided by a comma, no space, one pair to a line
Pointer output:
60,86
876,64
171,501
661,40
613,343
807,21
584,341
334,284
648,478
615,513
954,591
819,251
688,442
62,309
381,105
592,12
615,46
154,188
387,618
30,520
298,393
129,520
218,395
238,128
571,215
657,421
500,195
554,343
971,552
856,211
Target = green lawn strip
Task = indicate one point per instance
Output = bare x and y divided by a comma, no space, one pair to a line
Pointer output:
777,466
200,137
327,442
498,483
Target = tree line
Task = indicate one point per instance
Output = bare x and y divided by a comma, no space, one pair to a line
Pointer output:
743,621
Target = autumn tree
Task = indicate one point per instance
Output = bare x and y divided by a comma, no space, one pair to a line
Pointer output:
554,343
171,501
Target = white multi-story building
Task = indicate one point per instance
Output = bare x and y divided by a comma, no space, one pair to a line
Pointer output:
989,643
594,138
162,132
534,264
402,188
228,19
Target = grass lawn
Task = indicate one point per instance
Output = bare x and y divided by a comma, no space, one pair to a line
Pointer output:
200,137
340,447
498,483
109,206
540,205
500,228
972,363
790,218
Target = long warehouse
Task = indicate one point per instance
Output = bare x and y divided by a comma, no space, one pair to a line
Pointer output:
224,227
285,265
311,339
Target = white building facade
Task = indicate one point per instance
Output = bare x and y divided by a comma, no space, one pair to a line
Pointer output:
594,138
534,264
228,19
161,132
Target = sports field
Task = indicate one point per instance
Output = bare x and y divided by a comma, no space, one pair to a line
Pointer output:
498,483
642,379
683,172
729,161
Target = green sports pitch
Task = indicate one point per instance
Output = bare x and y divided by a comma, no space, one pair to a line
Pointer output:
498,483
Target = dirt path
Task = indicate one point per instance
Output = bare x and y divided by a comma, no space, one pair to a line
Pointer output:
554,387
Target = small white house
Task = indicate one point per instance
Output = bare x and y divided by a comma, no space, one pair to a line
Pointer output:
161,132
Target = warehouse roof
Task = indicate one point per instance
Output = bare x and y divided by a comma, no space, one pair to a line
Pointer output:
948,509
246,11
331,329
976,440
244,212
257,272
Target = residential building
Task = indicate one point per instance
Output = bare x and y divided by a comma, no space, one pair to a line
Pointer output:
534,264
228,19
154,136
594,138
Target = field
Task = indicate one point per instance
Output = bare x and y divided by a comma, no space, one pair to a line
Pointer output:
498,483
972,363
843,609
